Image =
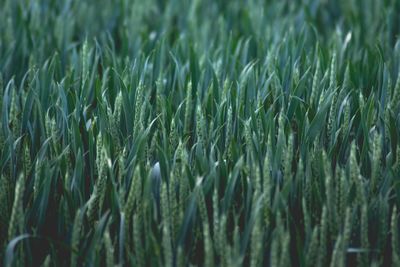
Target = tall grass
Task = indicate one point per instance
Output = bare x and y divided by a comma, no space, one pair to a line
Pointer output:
211,133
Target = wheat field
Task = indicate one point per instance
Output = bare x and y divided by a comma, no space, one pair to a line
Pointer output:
199,133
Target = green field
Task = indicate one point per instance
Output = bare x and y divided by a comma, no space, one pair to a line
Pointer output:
199,133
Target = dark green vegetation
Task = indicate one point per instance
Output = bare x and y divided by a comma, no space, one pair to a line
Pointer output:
177,133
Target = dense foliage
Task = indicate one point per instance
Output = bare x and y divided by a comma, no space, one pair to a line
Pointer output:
199,132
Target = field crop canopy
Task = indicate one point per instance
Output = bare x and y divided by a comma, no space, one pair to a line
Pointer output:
199,133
